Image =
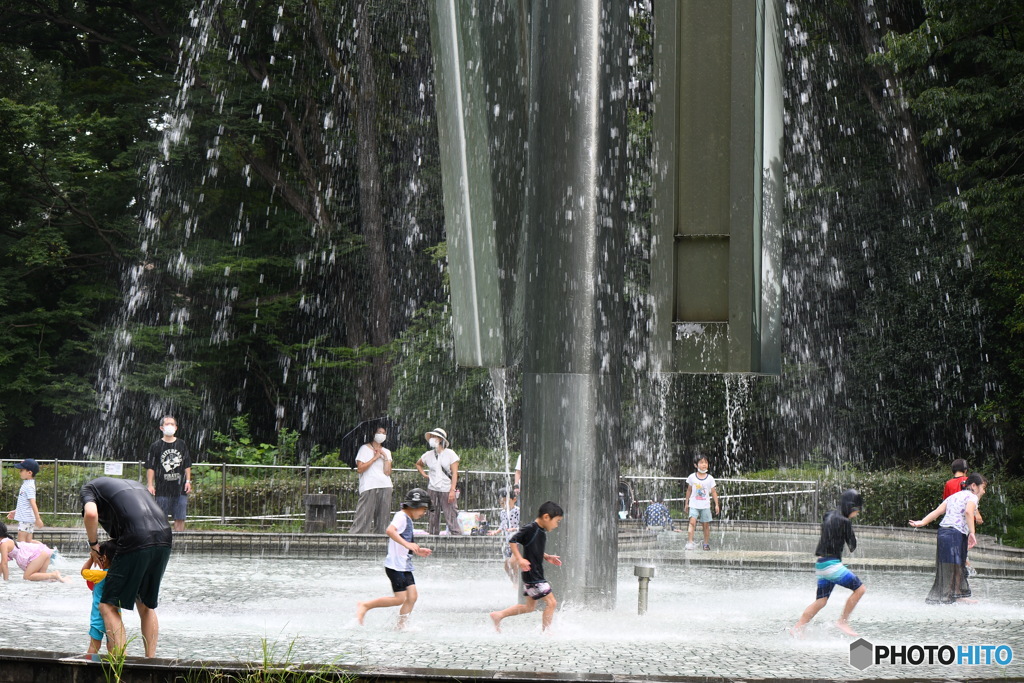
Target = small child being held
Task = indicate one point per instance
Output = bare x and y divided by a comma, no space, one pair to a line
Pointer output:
94,580
398,564
527,547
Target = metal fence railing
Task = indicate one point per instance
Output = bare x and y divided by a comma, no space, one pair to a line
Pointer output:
227,494
748,499
272,495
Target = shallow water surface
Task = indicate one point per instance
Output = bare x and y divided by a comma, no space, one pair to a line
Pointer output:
303,610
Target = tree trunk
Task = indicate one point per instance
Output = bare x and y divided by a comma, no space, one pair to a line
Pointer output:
375,381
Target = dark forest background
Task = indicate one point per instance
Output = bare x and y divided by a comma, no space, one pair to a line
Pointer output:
231,211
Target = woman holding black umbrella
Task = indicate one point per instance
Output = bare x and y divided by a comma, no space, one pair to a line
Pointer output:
373,462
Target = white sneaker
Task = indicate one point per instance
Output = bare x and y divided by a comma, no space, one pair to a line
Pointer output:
690,546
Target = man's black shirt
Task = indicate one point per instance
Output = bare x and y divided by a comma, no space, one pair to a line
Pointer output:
128,513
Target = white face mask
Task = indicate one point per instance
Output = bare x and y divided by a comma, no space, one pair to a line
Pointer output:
168,430
702,470
434,443
380,438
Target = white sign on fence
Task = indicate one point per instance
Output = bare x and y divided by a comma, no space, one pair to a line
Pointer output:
115,469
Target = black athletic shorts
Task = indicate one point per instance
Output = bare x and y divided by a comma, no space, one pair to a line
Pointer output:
136,576
400,580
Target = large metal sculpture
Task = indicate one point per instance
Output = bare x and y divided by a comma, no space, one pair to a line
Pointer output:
532,123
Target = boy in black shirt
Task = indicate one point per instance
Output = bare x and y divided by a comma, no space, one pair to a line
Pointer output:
530,559
836,531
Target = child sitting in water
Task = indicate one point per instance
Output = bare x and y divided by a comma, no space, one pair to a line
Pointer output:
32,557
398,563
94,579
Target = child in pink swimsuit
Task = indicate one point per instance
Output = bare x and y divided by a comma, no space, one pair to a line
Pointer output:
33,558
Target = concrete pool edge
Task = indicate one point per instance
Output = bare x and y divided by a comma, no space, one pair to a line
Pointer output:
636,546
18,666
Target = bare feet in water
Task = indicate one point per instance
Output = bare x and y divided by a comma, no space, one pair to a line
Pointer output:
496,618
796,631
361,610
843,626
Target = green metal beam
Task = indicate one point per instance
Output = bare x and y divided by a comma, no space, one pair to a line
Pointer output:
712,279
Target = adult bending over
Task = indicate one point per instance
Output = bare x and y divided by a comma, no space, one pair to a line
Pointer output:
132,518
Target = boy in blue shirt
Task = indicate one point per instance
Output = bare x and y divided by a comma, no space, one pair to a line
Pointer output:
94,579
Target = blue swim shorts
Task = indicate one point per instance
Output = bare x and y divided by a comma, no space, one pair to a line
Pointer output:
831,572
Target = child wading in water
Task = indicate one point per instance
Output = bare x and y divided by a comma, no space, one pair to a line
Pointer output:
527,547
700,489
836,531
953,486
94,580
398,564
508,525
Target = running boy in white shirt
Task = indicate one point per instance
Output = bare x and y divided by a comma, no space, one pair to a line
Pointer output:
398,564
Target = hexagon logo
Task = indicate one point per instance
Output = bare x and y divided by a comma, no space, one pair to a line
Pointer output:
861,654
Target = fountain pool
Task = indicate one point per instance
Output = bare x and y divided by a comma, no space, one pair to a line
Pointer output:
708,621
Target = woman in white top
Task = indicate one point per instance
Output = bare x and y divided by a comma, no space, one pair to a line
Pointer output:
954,538
373,462
440,465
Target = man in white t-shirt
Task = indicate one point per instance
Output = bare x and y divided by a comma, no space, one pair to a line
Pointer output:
442,469
373,462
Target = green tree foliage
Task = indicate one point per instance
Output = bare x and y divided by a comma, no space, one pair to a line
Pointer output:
80,84
274,261
962,71
254,286
883,338
431,391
